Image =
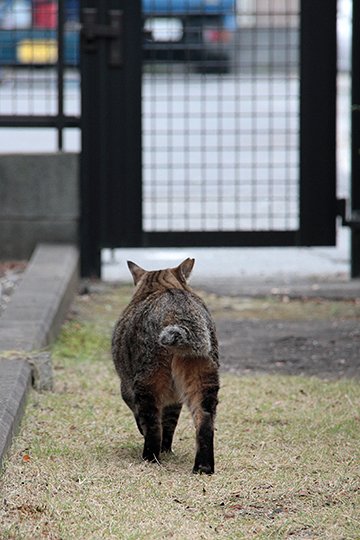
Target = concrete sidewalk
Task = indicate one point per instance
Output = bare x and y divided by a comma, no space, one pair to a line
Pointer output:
31,322
250,271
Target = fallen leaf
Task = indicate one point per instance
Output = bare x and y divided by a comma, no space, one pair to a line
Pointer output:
236,507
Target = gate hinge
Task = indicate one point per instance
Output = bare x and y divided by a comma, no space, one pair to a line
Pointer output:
91,31
351,219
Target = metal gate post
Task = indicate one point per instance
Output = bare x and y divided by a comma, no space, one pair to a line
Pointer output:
318,123
111,165
355,143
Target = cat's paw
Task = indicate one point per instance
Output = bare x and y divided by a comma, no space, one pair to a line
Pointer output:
203,469
151,457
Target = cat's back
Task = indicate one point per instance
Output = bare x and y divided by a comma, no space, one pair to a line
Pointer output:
163,307
161,299
158,292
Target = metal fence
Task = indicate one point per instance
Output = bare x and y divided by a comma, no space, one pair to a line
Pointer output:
39,86
225,100
221,129
220,121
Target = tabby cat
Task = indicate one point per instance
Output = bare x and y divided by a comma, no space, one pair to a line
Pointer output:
165,352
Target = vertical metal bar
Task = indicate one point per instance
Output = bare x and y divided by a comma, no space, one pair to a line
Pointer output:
123,217
60,72
318,123
355,139
90,177
111,164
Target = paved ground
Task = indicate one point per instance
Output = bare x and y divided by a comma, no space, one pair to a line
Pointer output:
325,349
323,343
235,268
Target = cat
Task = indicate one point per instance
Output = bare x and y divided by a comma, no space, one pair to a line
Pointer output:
165,352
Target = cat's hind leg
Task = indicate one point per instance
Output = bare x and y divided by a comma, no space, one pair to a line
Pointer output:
170,418
203,412
128,396
199,382
148,418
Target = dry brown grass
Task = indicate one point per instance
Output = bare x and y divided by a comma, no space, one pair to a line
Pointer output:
287,450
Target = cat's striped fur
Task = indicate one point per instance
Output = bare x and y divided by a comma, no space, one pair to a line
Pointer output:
165,351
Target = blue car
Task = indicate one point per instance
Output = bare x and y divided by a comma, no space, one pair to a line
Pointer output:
200,31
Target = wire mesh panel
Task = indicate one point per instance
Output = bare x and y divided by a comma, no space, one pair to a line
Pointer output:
221,115
39,55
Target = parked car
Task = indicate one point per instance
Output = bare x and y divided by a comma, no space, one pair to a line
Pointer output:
200,31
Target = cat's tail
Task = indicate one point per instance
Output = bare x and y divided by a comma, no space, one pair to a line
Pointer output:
174,336
179,337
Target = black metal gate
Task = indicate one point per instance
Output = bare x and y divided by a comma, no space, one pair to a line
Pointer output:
207,128
354,220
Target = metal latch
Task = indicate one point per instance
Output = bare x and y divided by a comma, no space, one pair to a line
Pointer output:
91,31
352,220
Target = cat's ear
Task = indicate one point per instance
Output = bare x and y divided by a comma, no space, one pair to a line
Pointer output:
183,271
136,271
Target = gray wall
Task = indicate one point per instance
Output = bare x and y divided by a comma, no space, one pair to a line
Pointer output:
39,201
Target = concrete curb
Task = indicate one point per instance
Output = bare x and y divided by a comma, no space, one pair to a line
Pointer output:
38,306
15,381
30,323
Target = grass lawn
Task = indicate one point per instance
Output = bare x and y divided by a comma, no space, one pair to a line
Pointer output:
287,456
